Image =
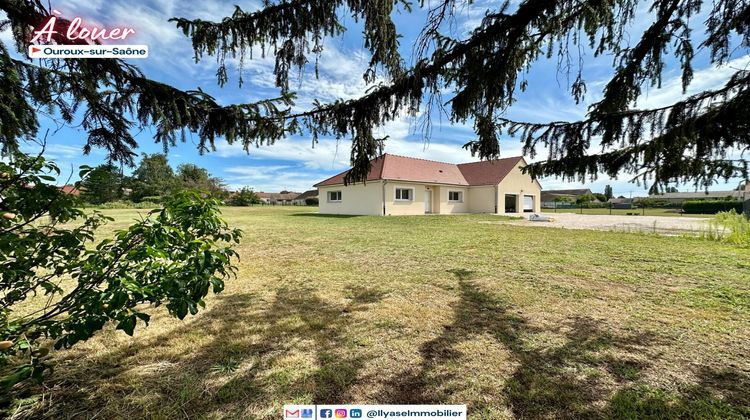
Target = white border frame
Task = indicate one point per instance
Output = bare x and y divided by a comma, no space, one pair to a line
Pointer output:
461,192
328,196
411,195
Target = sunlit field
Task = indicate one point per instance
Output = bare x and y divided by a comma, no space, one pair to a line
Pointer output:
515,322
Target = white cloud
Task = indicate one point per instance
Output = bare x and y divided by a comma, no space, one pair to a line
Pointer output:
340,75
270,178
56,151
712,77
326,155
6,36
63,151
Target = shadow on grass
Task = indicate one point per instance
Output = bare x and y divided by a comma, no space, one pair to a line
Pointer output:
694,402
255,358
251,357
570,380
325,216
718,394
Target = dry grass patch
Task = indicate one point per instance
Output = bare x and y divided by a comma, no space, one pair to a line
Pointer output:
513,321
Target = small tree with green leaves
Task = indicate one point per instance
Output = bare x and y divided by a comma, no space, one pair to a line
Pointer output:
193,177
244,197
608,194
152,178
103,184
600,197
585,200
173,257
562,200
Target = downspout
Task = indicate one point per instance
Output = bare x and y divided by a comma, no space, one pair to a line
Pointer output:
497,197
384,181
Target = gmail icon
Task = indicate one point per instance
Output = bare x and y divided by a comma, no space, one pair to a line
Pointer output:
291,413
299,412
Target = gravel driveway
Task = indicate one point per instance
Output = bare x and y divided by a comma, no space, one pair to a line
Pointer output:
656,224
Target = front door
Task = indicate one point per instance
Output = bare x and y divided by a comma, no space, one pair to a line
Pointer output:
427,201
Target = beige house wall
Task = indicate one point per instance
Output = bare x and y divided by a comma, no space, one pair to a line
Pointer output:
516,182
439,193
482,199
355,199
449,207
367,199
399,207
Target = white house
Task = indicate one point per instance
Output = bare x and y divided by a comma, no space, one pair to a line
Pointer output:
284,197
398,185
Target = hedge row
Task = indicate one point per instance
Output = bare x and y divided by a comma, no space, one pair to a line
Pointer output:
711,206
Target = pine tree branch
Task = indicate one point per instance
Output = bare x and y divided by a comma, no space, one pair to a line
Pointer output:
171,110
692,144
483,70
740,80
290,27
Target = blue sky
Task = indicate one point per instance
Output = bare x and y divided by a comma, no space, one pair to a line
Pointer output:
293,163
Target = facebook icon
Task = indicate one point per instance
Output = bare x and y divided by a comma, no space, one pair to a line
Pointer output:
326,413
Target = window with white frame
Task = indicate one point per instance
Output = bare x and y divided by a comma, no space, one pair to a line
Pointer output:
456,196
334,196
404,194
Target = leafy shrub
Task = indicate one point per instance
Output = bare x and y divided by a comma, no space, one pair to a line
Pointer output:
244,197
653,202
711,206
601,197
152,199
312,201
729,227
128,205
174,257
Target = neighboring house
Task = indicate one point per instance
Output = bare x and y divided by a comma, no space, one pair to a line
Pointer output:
621,203
283,197
399,185
70,189
300,199
680,197
549,196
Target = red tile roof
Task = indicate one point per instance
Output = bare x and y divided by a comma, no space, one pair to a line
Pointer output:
70,189
376,170
488,172
401,168
307,194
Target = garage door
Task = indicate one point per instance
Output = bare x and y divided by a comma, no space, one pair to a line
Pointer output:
528,203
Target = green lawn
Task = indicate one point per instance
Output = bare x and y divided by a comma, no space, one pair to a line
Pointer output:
624,212
516,322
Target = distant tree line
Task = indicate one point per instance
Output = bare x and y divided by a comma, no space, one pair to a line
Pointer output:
153,180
